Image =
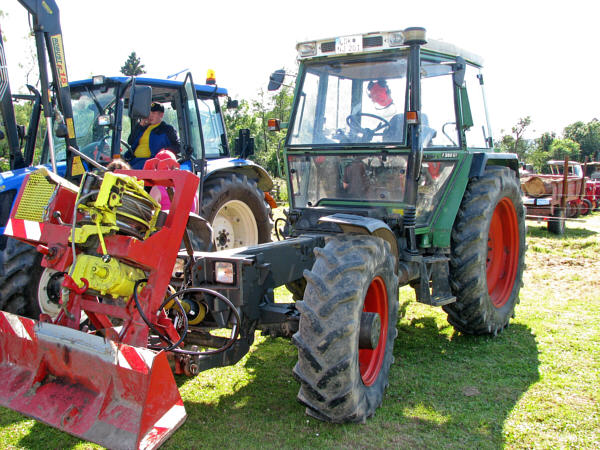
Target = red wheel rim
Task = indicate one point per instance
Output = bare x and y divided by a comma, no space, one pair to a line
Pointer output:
503,252
370,361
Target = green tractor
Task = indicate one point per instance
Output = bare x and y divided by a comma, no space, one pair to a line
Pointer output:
389,156
392,180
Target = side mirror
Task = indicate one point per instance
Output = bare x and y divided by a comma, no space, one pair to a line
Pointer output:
244,144
61,130
140,99
105,120
276,80
232,104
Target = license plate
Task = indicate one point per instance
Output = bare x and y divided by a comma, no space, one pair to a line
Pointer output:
348,44
528,201
543,201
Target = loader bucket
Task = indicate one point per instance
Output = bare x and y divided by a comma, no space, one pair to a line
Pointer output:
116,395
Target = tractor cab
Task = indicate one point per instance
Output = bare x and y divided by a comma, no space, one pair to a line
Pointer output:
102,122
364,105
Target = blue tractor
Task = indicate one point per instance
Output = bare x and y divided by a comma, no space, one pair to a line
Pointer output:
93,117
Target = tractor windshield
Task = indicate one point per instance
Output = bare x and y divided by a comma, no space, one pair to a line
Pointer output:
93,136
319,180
351,102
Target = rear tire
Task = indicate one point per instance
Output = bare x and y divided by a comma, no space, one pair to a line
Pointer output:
20,273
339,382
237,210
487,253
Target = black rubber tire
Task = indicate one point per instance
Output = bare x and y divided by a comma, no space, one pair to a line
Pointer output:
227,187
557,225
474,311
20,272
586,207
331,385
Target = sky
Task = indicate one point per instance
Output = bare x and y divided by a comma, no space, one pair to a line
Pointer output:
540,57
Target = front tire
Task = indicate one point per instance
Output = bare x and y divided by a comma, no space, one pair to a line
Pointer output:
339,381
20,273
237,210
487,255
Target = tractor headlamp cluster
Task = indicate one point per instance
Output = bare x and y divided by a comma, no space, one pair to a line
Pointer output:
224,272
361,43
307,49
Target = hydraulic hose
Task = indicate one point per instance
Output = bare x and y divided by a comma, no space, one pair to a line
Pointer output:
173,346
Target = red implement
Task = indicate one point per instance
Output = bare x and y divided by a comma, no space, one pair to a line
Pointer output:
113,394
102,385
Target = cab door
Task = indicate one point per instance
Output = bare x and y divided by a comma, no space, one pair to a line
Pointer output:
192,118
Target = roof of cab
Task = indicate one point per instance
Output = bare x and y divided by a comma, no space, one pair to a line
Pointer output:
158,82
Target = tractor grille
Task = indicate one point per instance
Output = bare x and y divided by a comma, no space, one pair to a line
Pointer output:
35,199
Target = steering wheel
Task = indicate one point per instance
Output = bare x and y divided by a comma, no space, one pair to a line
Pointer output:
353,121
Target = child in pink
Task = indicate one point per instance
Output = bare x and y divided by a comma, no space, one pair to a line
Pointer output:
159,193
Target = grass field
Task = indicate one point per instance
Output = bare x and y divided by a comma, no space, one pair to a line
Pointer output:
534,386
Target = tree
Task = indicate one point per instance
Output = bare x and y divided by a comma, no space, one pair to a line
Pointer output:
516,143
561,148
541,153
587,135
132,66
254,115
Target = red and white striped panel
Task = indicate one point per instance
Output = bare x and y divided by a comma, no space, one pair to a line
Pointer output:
24,229
164,426
133,358
18,326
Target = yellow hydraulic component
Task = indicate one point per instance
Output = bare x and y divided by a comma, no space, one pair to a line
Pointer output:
195,311
121,199
107,277
200,314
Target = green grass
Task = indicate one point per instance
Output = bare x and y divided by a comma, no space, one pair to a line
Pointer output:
533,386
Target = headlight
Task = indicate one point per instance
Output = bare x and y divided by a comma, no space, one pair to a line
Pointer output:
224,272
307,49
396,39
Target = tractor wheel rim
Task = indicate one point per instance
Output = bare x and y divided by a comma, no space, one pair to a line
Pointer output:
371,361
234,226
503,252
46,304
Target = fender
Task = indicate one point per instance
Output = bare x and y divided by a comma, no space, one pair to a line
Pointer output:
483,159
350,223
243,166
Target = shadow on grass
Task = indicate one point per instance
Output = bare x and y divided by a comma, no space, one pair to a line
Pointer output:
457,389
541,231
445,389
